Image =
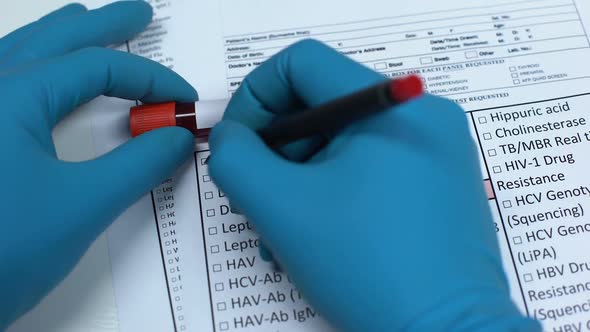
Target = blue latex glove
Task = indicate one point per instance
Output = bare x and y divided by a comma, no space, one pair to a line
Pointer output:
53,210
387,228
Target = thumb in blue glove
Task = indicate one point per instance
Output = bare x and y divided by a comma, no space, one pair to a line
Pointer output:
387,228
56,209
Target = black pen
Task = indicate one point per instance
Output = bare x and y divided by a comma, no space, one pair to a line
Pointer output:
336,114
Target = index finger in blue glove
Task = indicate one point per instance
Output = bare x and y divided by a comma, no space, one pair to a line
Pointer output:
16,36
303,75
63,12
111,24
99,71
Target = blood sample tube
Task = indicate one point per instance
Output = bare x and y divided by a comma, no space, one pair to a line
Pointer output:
144,118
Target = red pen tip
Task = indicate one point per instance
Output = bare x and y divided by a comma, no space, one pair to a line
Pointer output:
406,88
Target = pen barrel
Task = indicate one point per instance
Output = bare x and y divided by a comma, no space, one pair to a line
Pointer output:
329,117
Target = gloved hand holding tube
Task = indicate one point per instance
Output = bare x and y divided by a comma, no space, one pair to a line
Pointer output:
56,209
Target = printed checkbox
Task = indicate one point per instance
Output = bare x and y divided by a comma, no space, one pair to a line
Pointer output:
180,317
471,54
178,308
170,261
169,252
219,287
487,136
223,326
212,230
512,69
210,213
527,277
514,75
516,82
182,327
507,204
426,60
482,120
221,306
175,289
216,267
206,178
209,195
214,249
492,152
517,240
203,161
161,208
167,243
173,279
164,225
497,169
380,66
166,234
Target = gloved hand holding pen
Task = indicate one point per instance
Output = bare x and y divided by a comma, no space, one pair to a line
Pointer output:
385,229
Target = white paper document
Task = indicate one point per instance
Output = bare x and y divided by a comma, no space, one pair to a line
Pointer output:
183,261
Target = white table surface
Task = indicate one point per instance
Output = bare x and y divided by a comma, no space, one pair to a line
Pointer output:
84,301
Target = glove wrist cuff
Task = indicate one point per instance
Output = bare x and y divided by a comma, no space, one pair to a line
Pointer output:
477,311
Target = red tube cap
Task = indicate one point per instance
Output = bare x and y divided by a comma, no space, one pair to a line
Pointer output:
406,88
144,118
